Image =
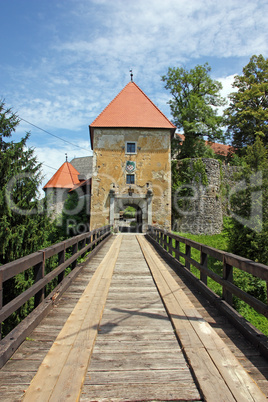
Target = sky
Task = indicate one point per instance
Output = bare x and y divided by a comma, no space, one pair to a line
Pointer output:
63,61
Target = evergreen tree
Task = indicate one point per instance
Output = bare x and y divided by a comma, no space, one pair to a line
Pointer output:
247,114
24,225
193,107
22,217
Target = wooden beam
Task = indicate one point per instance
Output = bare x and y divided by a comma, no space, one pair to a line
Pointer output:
217,371
62,373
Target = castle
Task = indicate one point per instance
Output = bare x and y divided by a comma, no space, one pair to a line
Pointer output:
130,167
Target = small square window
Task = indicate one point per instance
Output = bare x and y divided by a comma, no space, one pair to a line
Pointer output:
130,178
131,147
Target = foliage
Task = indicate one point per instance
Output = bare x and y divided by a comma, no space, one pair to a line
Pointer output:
193,107
187,174
129,212
247,114
22,215
248,234
75,217
243,280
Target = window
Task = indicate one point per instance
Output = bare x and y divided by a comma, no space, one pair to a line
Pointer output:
130,178
131,147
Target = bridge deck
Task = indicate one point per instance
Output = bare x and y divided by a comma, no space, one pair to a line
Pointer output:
130,352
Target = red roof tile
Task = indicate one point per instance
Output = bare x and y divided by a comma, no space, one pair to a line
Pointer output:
132,108
65,177
219,149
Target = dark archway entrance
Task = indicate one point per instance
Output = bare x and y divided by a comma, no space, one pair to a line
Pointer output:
130,219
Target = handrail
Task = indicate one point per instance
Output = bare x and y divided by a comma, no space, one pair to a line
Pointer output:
80,245
76,246
229,289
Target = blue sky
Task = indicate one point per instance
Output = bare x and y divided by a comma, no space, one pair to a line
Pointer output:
63,61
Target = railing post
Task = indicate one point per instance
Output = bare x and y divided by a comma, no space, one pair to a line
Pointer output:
74,251
177,252
188,254
165,241
61,260
88,239
93,239
83,244
169,245
39,273
158,236
228,276
98,236
204,263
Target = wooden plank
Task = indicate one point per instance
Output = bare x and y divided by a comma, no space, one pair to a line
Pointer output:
122,346
64,379
211,359
138,376
136,347
41,334
134,360
139,392
230,369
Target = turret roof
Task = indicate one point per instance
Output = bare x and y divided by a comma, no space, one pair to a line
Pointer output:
65,177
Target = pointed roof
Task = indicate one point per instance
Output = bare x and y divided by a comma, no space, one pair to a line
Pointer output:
132,108
65,177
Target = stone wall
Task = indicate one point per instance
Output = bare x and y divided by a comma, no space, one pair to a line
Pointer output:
56,198
83,165
203,214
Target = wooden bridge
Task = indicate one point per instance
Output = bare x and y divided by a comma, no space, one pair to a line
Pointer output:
131,326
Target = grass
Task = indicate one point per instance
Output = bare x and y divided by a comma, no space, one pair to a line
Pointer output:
220,242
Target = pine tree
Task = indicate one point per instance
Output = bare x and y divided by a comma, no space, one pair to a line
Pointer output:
22,216
24,225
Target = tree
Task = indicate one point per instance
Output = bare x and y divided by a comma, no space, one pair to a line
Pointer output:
247,114
193,107
21,213
75,217
24,227
248,234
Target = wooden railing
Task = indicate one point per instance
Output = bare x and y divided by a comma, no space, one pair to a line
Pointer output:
66,253
172,244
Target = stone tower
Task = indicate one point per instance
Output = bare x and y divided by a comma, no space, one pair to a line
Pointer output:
130,140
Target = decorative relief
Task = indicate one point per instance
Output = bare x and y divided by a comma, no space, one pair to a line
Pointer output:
130,166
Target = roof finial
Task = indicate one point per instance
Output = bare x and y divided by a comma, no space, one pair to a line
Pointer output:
131,75
66,157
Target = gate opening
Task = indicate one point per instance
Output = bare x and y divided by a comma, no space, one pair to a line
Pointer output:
130,219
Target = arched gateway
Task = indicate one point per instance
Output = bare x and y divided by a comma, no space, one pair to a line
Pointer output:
131,162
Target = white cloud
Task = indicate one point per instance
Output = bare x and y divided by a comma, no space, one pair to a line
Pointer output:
227,85
87,58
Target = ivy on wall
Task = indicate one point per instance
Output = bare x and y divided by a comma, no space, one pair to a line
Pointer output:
187,175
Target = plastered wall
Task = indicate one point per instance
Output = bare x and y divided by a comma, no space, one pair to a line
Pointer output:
152,172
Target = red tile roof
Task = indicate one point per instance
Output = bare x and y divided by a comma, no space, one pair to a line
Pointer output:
219,149
132,108
65,177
